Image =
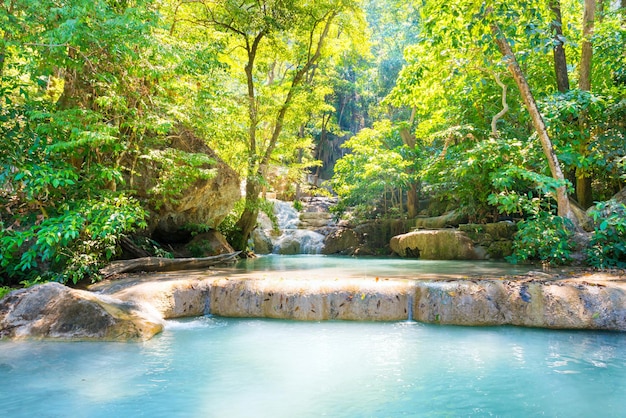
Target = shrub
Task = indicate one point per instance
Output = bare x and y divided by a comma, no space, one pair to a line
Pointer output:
546,237
71,244
607,247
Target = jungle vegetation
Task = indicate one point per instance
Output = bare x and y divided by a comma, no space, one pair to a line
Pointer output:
498,109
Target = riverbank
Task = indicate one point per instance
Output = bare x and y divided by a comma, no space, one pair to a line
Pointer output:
567,298
135,306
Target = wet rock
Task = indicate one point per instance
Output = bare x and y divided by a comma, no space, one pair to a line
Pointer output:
450,219
205,202
209,243
442,244
535,300
312,300
545,304
167,293
341,241
54,311
261,242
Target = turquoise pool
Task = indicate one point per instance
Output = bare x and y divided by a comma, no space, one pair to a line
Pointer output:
218,367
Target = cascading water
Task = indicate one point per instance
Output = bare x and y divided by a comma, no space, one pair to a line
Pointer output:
292,239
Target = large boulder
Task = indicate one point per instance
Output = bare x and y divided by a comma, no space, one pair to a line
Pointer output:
371,238
54,311
206,201
451,219
495,238
208,244
442,244
342,241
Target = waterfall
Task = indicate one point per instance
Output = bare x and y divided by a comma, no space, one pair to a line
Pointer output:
409,308
207,303
293,239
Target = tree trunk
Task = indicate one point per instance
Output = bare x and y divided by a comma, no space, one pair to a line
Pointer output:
164,264
584,80
560,61
248,220
583,177
562,199
260,158
412,201
412,197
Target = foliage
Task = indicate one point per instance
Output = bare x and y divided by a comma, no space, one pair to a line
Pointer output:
178,170
92,91
607,247
71,244
4,290
200,248
374,167
546,237
571,117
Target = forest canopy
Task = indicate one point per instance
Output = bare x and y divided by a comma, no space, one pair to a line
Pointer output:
500,110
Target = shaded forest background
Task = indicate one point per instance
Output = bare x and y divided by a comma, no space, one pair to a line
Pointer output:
112,110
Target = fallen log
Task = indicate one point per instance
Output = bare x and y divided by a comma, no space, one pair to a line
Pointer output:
154,264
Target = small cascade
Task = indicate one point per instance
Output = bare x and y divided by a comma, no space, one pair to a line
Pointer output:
207,304
292,239
409,308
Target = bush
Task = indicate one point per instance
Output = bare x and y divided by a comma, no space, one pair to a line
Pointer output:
71,244
4,290
607,247
546,237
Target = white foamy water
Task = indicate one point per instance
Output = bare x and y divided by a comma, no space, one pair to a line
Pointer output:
292,239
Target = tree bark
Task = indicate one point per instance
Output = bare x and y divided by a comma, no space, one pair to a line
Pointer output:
412,193
164,264
560,60
584,80
248,219
584,194
505,107
562,199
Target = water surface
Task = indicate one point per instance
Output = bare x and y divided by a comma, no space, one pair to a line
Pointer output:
368,267
218,367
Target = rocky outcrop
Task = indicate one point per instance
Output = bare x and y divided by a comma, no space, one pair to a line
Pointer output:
343,241
311,300
469,242
167,293
130,309
567,304
54,311
450,219
371,238
441,244
206,201
495,239
208,243
261,242
569,301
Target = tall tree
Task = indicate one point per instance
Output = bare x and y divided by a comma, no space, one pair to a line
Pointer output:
560,60
564,208
272,82
583,176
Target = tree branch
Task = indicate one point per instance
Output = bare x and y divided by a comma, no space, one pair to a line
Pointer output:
505,107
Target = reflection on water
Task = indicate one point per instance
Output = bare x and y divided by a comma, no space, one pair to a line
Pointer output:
218,367
367,267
